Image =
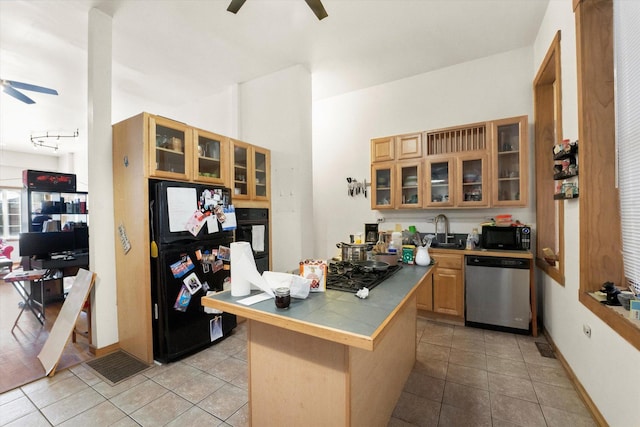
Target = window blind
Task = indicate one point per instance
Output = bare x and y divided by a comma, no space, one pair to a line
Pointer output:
626,18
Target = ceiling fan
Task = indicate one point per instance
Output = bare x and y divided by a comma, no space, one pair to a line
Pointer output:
10,86
315,5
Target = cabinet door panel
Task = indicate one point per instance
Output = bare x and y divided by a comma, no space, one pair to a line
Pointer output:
211,161
409,146
424,295
448,296
510,161
438,181
383,149
473,180
260,178
382,182
170,147
409,188
240,166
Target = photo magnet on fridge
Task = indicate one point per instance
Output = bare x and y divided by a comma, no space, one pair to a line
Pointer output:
182,267
183,299
192,283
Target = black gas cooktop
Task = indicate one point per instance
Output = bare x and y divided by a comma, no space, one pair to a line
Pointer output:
345,276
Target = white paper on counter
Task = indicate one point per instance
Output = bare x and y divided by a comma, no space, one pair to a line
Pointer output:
257,238
298,286
254,299
181,202
244,273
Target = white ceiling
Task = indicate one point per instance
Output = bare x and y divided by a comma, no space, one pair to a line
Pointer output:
166,51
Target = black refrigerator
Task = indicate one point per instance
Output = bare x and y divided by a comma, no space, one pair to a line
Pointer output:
193,235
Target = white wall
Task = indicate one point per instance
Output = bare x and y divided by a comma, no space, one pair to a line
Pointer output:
563,314
275,113
489,88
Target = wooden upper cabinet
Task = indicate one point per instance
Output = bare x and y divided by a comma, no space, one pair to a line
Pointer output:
383,149
382,185
439,182
260,167
170,149
250,174
510,167
211,160
240,159
457,181
473,181
409,185
400,147
409,146
478,165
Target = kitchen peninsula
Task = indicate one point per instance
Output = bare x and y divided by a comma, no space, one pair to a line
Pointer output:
331,359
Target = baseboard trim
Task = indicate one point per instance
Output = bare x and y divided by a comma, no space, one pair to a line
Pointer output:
591,406
104,350
439,317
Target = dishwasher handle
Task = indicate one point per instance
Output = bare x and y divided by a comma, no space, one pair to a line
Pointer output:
498,262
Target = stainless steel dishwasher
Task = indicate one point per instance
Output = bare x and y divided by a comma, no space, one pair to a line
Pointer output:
497,293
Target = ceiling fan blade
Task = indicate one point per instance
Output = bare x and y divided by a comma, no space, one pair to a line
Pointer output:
318,8
33,88
11,91
235,5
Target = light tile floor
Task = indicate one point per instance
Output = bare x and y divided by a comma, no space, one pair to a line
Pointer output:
462,377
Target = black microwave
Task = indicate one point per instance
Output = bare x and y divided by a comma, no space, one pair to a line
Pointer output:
509,238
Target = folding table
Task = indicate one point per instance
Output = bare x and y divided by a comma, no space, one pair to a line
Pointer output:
18,279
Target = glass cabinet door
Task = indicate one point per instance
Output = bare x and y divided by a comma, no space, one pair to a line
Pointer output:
438,183
211,150
170,148
472,180
240,170
261,173
410,180
510,169
382,185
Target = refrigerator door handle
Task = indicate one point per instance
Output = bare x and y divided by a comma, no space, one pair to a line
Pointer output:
155,311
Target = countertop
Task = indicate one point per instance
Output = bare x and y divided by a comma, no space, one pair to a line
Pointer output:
334,315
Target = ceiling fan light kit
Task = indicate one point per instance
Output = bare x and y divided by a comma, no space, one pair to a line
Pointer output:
315,5
51,140
10,87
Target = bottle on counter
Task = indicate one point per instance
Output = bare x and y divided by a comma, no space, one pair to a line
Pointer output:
476,238
470,244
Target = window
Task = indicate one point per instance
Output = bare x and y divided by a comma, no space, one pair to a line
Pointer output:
9,213
626,33
600,258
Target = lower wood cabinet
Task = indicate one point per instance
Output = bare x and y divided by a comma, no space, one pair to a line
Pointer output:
445,295
424,295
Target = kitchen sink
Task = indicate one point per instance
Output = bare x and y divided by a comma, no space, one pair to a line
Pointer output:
438,245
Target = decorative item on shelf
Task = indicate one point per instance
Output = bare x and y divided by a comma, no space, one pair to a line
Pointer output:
354,187
549,256
565,169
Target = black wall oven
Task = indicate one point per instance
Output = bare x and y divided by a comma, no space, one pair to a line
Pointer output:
253,227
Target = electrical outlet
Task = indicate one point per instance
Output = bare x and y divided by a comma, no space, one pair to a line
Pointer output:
380,220
587,330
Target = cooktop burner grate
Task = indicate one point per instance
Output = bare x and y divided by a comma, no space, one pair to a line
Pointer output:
344,276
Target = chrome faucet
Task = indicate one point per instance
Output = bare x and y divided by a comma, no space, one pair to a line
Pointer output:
437,220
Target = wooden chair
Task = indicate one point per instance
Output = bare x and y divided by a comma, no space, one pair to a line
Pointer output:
87,309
